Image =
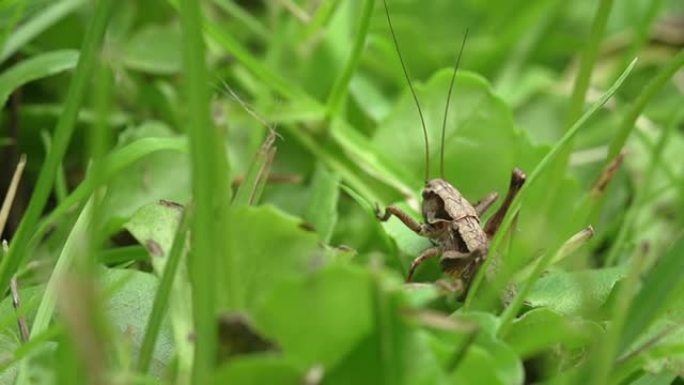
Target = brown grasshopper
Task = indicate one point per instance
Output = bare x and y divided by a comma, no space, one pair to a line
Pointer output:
449,220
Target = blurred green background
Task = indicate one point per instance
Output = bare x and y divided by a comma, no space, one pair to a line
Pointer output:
278,145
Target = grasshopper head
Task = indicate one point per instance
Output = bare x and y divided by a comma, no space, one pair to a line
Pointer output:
433,202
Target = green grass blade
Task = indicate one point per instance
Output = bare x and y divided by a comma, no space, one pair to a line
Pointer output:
322,209
244,17
37,25
661,285
601,363
210,188
341,86
255,65
161,297
551,156
323,14
62,136
61,191
651,89
627,227
35,67
72,249
257,173
588,60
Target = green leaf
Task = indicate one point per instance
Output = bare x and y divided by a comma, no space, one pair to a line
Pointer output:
321,211
478,367
10,339
155,226
395,353
268,246
540,329
159,175
129,307
489,360
33,68
574,292
257,370
43,20
664,378
318,318
155,50
479,131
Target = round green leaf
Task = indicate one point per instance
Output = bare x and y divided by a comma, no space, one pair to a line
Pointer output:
266,246
574,292
319,317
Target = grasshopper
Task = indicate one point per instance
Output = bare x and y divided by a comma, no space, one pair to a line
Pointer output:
450,222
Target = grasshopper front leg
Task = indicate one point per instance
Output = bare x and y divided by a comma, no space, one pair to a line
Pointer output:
418,228
425,255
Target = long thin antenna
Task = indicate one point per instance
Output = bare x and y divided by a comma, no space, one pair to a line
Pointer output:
446,109
413,92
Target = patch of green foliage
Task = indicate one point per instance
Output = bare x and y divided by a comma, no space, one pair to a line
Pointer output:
197,205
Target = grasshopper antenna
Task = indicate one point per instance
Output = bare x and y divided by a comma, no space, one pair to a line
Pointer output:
446,109
413,92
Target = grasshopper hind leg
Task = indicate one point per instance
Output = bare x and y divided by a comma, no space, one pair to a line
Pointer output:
482,206
517,180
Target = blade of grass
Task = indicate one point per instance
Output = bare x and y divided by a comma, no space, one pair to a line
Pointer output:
639,203
649,351
254,65
256,173
641,30
12,12
320,18
211,195
72,249
588,61
341,86
244,17
11,192
660,286
33,68
62,136
161,297
60,179
554,178
323,199
37,25
651,89
551,156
